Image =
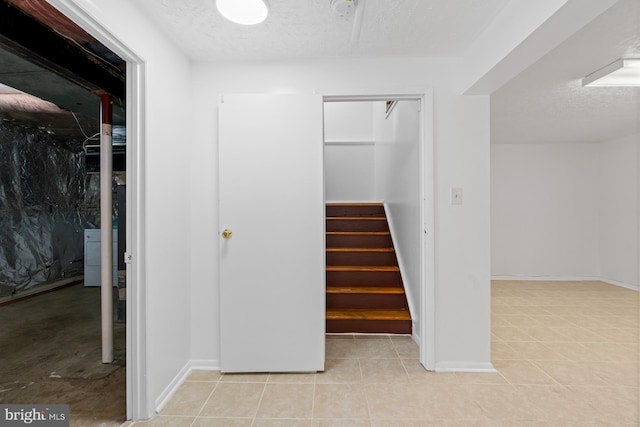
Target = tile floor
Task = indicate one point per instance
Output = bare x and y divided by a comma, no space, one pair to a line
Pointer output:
566,355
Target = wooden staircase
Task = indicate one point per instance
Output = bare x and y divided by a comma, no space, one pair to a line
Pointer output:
365,293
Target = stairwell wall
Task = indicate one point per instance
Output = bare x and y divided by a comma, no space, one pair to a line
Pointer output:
397,166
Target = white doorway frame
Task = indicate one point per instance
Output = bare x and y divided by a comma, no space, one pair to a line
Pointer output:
139,405
426,299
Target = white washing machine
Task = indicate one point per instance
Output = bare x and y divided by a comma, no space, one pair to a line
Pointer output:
92,261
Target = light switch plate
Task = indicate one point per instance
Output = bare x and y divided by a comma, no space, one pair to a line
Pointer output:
456,196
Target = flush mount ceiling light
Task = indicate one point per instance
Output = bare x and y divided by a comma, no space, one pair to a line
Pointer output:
245,12
621,73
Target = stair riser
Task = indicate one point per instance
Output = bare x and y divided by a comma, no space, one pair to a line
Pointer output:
364,278
361,258
374,241
369,326
356,225
355,210
370,301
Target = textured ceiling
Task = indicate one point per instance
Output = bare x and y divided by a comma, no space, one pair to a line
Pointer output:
547,103
308,29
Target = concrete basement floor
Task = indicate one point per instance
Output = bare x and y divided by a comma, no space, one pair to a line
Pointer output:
51,353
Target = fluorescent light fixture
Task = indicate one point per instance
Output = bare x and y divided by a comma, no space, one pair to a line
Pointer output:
621,73
245,12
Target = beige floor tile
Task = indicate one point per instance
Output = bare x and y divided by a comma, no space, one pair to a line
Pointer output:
340,401
234,400
340,371
612,352
201,375
454,402
398,401
535,350
341,347
616,374
301,378
500,350
166,421
406,347
383,371
506,403
522,372
511,333
579,334
609,404
545,333
189,398
619,335
222,422
499,320
521,320
375,348
245,378
286,401
418,374
341,423
407,423
281,423
570,373
480,378
574,351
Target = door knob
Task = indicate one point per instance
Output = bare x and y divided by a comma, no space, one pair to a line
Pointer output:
227,233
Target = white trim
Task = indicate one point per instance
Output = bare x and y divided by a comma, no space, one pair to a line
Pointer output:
344,142
181,377
427,248
567,279
403,269
138,398
465,367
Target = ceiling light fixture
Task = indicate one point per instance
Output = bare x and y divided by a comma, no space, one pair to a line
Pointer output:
245,12
621,73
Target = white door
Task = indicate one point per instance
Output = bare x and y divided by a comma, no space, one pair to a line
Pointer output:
272,278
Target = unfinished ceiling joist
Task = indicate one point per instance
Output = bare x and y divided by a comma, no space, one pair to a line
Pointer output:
32,39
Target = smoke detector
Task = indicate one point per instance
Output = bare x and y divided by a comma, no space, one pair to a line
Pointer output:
343,8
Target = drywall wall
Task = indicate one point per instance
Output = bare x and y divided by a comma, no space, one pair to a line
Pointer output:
164,194
619,218
462,249
398,138
348,151
566,211
544,222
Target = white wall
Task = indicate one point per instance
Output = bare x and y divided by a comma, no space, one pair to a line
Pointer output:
349,151
165,191
462,245
398,143
566,211
619,210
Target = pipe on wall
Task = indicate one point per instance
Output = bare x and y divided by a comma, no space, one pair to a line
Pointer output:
106,214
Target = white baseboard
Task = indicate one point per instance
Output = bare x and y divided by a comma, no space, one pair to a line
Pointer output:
472,367
568,279
183,374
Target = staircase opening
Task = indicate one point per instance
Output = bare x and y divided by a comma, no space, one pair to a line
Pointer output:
365,293
373,196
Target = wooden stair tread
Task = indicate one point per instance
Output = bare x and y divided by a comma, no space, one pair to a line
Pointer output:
358,233
360,250
355,204
356,218
363,268
387,290
366,314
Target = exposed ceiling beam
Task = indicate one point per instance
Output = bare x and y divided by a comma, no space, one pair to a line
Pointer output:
31,39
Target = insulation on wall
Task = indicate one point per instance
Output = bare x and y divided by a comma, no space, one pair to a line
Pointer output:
46,202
